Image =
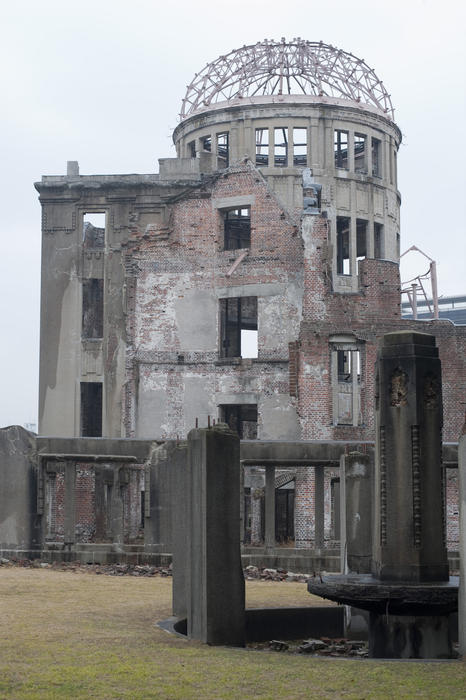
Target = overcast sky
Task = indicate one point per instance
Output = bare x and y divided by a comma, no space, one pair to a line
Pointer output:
101,82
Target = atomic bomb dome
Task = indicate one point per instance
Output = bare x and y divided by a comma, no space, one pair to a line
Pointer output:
295,68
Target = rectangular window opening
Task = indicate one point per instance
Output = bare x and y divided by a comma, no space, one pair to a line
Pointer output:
376,158
348,391
237,228
242,418
91,409
223,148
378,241
361,239
93,308
94,229
207,144
343,257
192,149
360,160
300,146
262,146
280,156
340,148
238,325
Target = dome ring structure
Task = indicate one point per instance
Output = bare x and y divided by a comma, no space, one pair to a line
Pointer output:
294,68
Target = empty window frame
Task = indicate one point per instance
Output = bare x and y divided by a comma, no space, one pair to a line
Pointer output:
360,153
376,149
237,228
300,146
93,308
347,391
379,251
94,230
192,149
361,239
340,148
91,409
206,143
262,146
343,245
238,327
223,147
242,418
280,153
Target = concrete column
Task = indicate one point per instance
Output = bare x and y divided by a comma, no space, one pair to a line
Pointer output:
169,508
351,151
117,523
19,528
270,508
462,500
215,582
272,147
319,507
355,387
310,131
352,244
70,502
356,493
334,385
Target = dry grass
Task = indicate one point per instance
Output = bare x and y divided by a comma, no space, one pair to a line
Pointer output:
75,635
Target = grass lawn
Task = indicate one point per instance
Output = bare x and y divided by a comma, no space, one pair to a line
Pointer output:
79,635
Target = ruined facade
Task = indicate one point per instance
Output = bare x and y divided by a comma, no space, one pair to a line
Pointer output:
248,281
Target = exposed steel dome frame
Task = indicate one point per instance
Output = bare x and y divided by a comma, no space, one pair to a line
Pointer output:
286,68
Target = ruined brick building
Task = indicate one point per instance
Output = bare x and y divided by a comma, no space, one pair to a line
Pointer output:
248,281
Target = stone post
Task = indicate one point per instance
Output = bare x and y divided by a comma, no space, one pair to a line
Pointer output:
215,582
358,476
409,527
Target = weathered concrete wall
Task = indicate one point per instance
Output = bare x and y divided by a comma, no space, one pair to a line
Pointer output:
175,335
462,544
19,525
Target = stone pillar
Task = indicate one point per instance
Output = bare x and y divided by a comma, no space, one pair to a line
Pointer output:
19,524
462,500
116,509
409,527
166,511
70,502
356,492
269,509
319,511
215,582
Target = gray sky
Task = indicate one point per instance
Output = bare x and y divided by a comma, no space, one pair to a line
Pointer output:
101,82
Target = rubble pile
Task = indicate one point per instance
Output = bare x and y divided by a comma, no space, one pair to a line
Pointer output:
251,573
318,647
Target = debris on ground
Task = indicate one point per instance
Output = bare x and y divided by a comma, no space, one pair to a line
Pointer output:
318,647
250,572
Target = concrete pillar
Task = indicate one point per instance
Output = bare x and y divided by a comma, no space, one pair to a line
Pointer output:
70,502
166,511
270,508
319,511
19,526
462,500
215,581
117,521
356,493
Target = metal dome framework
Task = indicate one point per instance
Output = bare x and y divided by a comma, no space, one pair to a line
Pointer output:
286,68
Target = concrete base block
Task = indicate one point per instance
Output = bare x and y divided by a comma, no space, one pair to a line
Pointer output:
409,637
